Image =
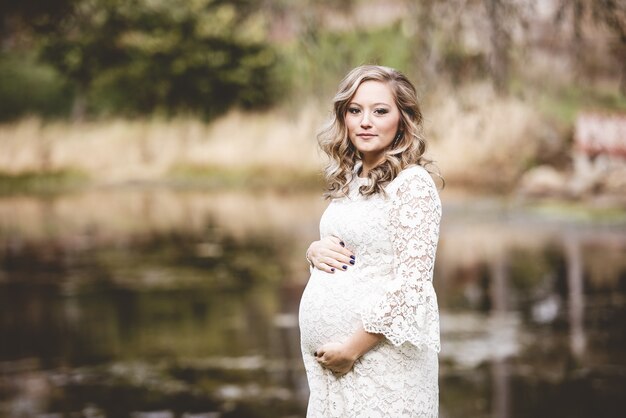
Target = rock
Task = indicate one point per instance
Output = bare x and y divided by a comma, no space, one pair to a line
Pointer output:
543,181
615,181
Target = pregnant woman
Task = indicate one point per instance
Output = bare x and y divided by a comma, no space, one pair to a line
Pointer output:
369,320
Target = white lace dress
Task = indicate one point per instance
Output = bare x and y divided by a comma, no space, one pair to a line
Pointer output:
389,290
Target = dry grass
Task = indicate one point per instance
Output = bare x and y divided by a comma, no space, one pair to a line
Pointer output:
117,150
480,139
477,139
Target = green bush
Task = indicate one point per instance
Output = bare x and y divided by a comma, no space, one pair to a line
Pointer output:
28,86
315,63
137,58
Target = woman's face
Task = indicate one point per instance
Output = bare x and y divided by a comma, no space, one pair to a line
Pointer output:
372,120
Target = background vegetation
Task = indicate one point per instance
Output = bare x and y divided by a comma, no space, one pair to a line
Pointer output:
502,81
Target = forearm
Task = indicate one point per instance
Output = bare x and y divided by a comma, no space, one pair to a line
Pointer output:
361,342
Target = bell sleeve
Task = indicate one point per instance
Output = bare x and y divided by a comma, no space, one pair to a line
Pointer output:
407,311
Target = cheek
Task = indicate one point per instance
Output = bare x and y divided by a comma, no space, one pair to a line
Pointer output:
349,125
389,130
392,126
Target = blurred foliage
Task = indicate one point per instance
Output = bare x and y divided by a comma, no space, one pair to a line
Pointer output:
462,65
205,56
42,15
565,103
43,182
315,61
30,87
251,177
138,57
141,56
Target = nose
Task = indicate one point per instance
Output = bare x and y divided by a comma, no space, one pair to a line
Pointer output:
365,122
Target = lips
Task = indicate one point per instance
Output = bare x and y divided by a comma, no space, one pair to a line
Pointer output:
365,136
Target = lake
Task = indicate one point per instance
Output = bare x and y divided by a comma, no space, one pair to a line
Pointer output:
156,302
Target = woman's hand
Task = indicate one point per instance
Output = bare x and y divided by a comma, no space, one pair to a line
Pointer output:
330,254
340,357
336,358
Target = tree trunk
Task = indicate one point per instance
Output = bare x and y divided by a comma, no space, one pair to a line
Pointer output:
424,54
500,45
621,55
79,106
577,46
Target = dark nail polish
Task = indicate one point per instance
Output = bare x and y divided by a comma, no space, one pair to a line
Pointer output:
332,269
352,262
342,243
352,257
344,267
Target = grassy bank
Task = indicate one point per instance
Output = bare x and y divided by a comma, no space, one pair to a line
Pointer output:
31,182
235,150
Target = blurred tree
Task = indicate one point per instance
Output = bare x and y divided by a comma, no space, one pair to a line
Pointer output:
83,44
17,15
422,26
26,85
29,87
311,15
439,31
141,56
503,18
608,13
205,55
500,39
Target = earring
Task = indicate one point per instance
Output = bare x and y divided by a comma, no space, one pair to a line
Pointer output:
397,138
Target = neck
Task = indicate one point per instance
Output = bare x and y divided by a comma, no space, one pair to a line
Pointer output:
369,164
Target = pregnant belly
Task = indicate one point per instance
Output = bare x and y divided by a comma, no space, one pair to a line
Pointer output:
329,308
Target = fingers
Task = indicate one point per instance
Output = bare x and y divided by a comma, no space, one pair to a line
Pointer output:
327,358
323,361
341,259
329,253
338,246
319,356
319,352
330,264
324,267
333,263
338,369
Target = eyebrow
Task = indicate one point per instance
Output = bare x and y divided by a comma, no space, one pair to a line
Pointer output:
375,104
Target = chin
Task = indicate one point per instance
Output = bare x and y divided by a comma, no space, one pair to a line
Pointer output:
365,150
366,147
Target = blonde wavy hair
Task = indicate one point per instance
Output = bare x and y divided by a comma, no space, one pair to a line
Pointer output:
407,148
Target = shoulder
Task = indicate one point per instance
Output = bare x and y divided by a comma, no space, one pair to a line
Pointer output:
414,190
413,172
415,178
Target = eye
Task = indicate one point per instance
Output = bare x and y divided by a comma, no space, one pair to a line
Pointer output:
381,111
353,110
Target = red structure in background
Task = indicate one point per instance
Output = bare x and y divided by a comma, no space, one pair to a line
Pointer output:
599,134
599,155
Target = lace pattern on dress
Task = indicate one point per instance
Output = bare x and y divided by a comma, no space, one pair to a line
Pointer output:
408,311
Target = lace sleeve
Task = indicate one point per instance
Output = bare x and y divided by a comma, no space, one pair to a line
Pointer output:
408,312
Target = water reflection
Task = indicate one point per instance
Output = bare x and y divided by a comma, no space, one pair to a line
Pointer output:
179,303
549,292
